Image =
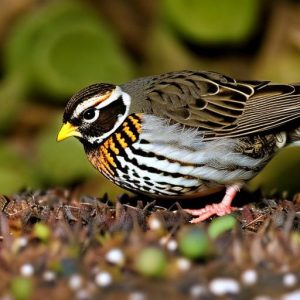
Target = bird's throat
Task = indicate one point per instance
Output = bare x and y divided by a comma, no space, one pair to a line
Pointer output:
103,156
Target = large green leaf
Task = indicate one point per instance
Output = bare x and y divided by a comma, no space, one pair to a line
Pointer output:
69,58
15,172
63,47
27,31
213,21
60,163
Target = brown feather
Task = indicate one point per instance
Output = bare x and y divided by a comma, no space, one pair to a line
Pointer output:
217,104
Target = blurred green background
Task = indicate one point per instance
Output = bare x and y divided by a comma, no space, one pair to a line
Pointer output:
50,49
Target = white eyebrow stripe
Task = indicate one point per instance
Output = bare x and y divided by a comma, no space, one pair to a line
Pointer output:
115,94
84,105
121,118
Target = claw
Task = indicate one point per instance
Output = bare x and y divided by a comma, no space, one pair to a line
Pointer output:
219,209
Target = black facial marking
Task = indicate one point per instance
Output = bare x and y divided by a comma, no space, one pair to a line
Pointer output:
84,94
107,118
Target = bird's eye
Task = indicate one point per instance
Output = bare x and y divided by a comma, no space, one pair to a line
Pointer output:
91,115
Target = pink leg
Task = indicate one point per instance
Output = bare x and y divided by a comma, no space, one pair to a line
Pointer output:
220,209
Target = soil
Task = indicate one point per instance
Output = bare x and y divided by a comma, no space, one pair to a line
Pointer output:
57,243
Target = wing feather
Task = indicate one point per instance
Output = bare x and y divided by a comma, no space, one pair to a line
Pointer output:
221,106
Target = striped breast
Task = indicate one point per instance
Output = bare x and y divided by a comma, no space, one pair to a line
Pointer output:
147,154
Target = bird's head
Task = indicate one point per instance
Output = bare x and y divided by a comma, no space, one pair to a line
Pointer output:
94,113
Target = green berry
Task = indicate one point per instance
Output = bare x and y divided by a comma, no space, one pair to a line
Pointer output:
220,225
193,243
151,262
21,288
42,231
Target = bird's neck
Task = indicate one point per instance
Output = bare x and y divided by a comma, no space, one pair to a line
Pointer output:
103,156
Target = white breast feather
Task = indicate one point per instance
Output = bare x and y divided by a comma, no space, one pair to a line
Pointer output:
187,146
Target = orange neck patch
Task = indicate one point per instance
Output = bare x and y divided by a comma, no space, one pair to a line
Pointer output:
125,136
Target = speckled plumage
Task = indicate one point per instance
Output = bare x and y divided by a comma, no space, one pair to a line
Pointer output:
184,133
216,104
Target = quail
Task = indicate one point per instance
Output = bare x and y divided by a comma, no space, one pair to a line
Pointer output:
185,133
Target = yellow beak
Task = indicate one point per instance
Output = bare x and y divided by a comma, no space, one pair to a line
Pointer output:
66,131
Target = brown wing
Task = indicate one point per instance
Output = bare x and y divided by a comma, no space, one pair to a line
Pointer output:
220,105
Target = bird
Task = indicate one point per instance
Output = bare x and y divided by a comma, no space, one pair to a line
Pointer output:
184,134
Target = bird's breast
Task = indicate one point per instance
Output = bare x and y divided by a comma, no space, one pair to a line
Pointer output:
148,155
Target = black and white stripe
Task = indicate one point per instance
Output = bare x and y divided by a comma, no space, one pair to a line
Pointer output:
162,161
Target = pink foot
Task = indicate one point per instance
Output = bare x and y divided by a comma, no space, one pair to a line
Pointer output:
219,209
